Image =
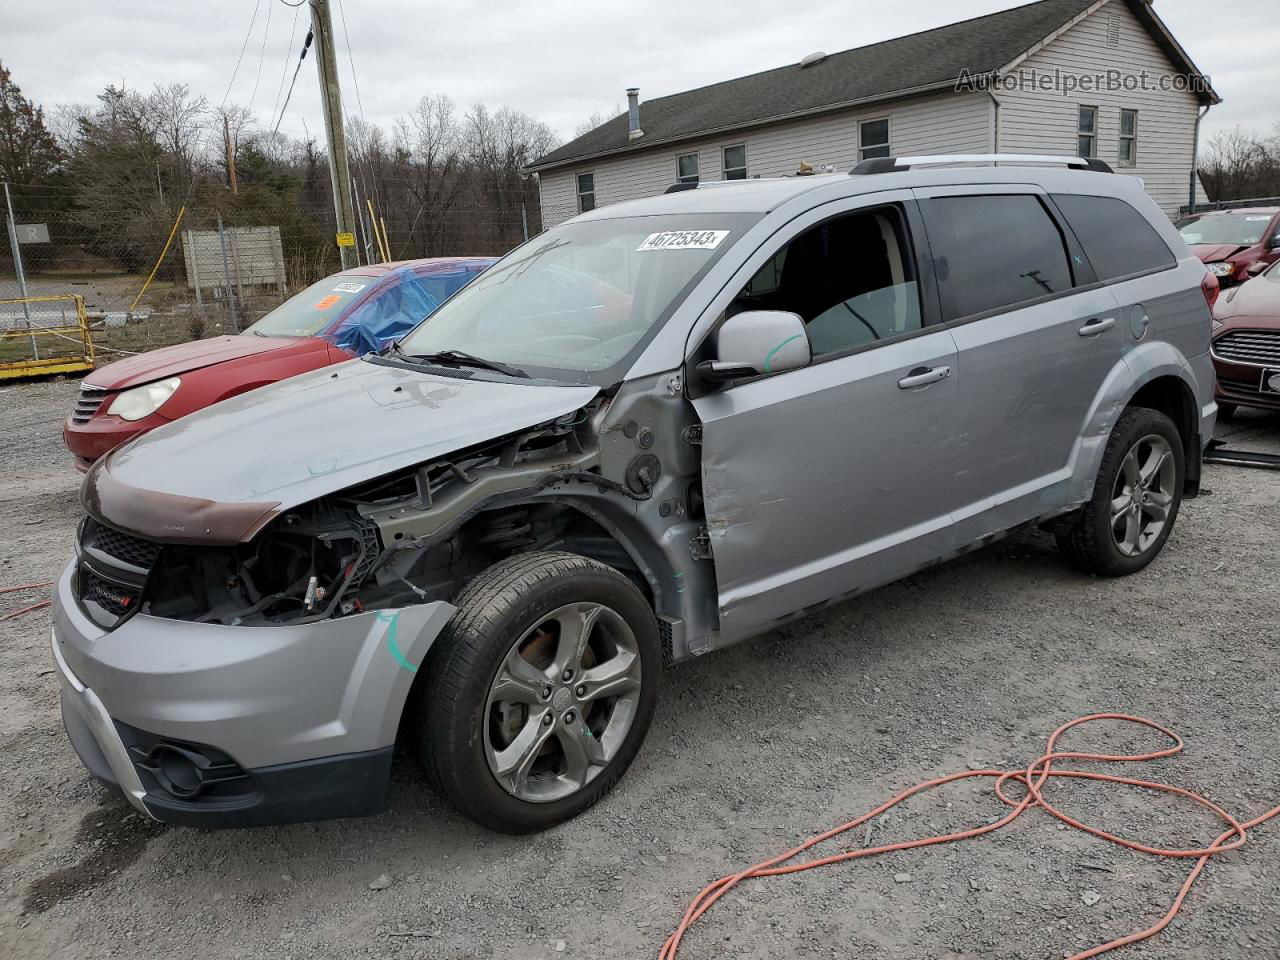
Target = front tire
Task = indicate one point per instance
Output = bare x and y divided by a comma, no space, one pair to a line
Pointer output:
540,691
1135,498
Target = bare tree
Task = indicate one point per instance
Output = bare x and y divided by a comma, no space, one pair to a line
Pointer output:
179,121
597,119
1239,164
429,144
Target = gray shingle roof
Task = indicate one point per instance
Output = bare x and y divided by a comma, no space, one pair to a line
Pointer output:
879,71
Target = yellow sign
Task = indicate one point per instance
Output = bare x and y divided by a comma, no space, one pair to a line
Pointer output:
346,239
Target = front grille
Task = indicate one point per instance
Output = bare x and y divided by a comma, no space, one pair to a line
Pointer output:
87,403
1238,386
122,546
1258,347
114,598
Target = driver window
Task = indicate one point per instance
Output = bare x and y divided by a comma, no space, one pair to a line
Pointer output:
852,279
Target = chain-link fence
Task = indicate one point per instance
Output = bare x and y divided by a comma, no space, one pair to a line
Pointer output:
228,263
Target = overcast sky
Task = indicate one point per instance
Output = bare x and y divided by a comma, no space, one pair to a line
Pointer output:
560,60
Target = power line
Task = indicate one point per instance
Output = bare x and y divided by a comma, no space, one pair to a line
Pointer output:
306,45
244,46
288,53
262,50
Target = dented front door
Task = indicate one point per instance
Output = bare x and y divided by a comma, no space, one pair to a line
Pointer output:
828,480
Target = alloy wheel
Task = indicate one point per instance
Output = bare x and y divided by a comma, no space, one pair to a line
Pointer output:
1143,495
562,702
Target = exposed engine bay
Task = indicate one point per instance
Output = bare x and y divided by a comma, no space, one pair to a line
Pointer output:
413,536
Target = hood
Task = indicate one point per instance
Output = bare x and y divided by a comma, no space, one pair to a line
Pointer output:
1259,297
293,441
182,358
1211,252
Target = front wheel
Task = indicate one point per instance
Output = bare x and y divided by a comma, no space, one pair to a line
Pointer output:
540,691
1135,499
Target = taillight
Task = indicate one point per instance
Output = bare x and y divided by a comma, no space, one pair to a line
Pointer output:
1210,287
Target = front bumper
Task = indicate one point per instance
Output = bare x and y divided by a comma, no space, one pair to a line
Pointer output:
102,433
1241,383
210,725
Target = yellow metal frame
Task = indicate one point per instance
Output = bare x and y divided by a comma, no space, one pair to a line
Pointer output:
62,362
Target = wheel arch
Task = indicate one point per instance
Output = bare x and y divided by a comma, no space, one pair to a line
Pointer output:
1167,387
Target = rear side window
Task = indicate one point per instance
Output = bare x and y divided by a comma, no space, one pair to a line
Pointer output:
992,252
1117,239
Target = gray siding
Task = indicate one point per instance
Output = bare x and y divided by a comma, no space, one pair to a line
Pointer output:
1045,122
943,124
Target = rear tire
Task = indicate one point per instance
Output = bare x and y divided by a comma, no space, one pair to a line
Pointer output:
1135,499
540,691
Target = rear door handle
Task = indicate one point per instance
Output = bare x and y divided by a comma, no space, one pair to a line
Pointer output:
1096,326
923,376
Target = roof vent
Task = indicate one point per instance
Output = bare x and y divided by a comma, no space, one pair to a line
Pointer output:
813,59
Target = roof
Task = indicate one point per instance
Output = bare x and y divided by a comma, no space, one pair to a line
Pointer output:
766,194
1256,211
378,269
917,63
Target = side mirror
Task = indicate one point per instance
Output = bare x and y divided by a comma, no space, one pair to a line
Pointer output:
758,342
1257,268
1275,242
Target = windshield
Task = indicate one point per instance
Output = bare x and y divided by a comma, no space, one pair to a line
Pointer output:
313,309
578,302
1238,229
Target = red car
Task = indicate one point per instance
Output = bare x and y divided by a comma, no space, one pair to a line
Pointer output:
1231,241
1246,344
343,316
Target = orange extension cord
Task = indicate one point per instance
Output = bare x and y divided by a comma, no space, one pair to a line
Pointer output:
1033,779
35,606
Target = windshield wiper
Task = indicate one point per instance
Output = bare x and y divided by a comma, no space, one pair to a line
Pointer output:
461,358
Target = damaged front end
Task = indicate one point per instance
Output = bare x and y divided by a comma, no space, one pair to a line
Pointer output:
413,536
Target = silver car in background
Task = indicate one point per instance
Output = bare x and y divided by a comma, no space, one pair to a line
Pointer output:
651,432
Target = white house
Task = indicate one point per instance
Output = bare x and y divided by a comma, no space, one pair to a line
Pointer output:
1097,78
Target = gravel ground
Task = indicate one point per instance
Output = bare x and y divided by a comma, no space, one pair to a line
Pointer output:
752,750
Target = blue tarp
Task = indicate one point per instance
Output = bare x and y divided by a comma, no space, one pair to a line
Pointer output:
394,311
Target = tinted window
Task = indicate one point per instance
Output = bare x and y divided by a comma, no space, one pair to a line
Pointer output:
852,279
994,251
1117,239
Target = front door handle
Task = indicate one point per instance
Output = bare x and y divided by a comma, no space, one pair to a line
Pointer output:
923,376
1096,326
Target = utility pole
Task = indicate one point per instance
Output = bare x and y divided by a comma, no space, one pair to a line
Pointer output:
339,172
231,154
17,268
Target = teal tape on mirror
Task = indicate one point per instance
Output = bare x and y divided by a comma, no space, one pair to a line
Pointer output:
768,358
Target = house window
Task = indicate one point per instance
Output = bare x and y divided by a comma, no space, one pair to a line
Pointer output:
734,162
1128,137
873,139
687,168
586,192
1087,132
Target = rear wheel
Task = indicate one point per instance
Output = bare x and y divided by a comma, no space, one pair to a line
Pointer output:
540,692
1135,499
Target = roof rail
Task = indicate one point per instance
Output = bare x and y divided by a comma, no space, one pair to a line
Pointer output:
893,164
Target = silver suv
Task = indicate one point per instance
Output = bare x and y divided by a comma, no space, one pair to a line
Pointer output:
653,431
